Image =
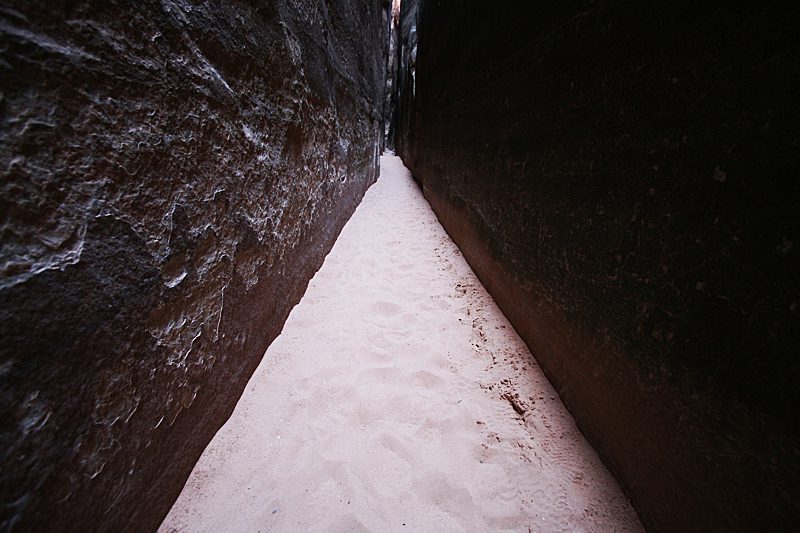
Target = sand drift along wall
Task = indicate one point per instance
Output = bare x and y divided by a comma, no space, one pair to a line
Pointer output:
624,178
173,173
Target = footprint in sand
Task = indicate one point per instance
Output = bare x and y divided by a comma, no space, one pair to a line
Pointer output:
403,409
385,309
379,339
427,380
437,490
395,446
385,374
349,523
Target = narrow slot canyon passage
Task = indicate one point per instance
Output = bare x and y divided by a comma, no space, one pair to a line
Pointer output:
584,245
399,398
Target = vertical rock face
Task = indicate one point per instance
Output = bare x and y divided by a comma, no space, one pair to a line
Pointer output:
392,65
624,179
173,173
404,84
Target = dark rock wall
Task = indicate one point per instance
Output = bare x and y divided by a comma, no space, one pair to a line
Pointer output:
404,90
392,65
173,173
623,176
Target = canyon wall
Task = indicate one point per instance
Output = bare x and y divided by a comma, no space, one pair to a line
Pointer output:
392,64
404,82
623,177
173,173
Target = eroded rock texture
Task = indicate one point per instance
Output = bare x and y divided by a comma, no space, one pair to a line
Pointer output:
173,172
623,176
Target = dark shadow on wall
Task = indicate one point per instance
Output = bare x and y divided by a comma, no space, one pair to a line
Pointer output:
623,177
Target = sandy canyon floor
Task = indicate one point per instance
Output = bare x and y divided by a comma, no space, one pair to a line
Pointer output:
398,398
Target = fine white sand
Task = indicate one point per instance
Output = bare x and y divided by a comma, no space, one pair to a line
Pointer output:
387,404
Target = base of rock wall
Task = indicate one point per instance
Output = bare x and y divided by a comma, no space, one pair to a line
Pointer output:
652,435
